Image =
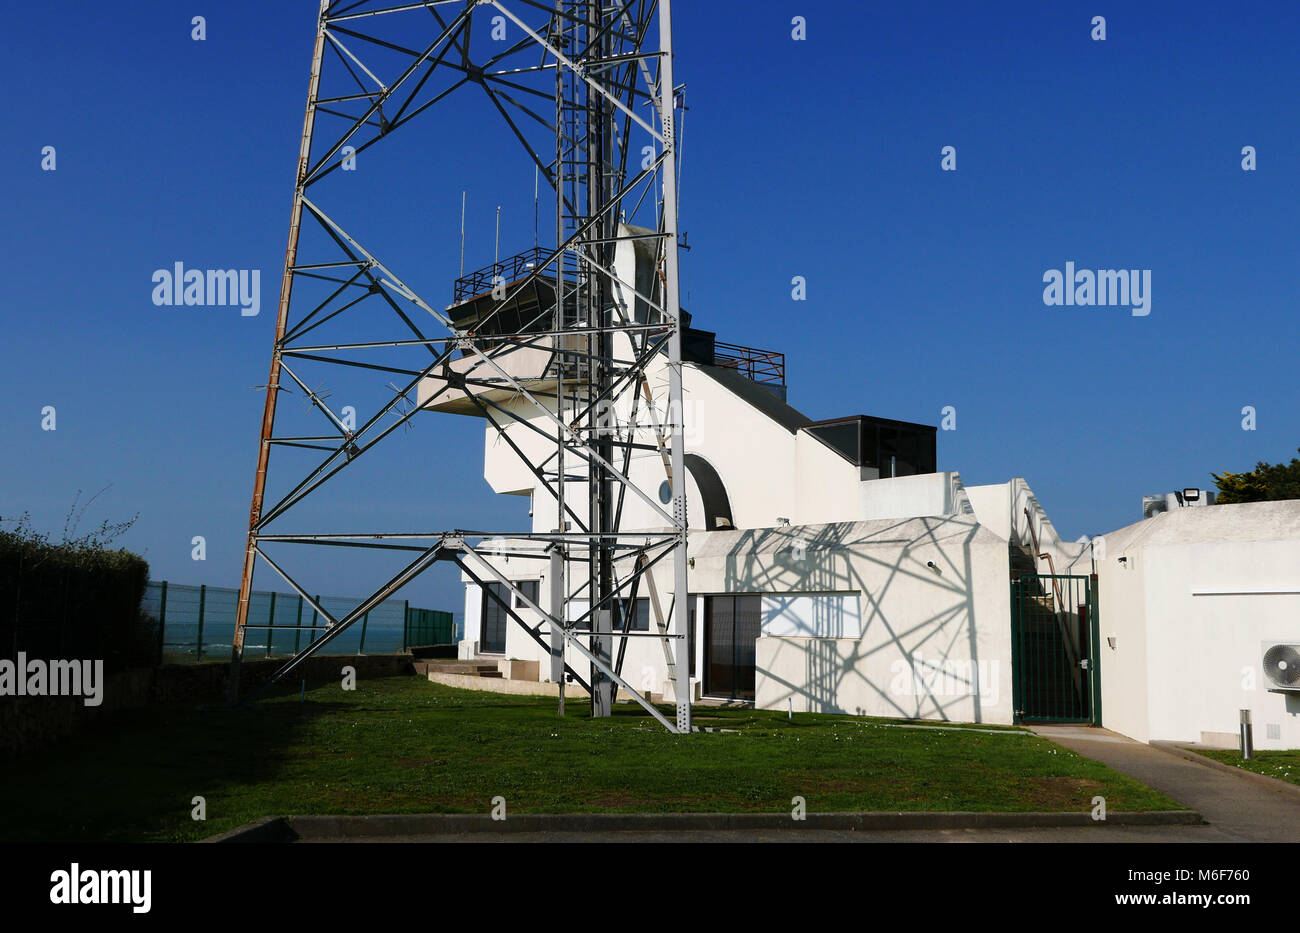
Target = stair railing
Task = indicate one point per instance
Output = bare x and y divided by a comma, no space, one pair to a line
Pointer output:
1051,564
1060,608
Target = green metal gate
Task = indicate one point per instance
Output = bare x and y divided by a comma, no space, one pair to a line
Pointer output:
1056,676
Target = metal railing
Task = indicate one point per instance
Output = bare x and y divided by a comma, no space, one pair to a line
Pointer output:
510,269
1040,555
766,366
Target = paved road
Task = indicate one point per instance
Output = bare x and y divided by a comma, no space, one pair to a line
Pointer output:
1061,834
1240,808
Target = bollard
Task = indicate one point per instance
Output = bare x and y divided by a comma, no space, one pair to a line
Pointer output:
1247,739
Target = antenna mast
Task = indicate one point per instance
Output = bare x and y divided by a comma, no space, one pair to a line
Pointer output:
600,63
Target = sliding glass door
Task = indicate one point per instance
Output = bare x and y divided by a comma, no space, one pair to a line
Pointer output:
732,625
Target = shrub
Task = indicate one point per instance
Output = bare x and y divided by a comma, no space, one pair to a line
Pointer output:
75,598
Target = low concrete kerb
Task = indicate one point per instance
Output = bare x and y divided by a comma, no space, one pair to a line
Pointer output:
267,829
1263,780
438,824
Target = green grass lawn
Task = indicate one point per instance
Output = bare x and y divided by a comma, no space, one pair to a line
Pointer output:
1283,765
404,744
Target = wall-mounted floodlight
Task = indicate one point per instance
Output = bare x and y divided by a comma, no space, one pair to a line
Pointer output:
1192,495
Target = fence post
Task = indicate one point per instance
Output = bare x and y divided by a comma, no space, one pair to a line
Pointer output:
198,647
270,632
63,626
297,632
406,624
365,619
162,621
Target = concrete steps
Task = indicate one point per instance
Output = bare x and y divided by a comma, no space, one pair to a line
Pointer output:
431,652
469,668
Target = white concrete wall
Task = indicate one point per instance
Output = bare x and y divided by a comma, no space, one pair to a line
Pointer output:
1121,615
1203,592
925,640
825,486
912,617
992,506
910,496
473,614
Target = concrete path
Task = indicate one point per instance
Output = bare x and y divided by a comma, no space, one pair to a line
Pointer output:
1240,808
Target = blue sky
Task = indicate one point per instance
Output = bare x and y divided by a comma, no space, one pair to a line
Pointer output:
818,158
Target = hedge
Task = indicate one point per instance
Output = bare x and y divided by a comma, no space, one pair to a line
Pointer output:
73,601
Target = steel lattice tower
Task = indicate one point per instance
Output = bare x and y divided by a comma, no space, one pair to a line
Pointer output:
604,141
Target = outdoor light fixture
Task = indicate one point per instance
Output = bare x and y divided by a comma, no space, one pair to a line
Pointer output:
1192,495
933,566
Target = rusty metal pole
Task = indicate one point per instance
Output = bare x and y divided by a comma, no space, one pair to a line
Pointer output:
273,382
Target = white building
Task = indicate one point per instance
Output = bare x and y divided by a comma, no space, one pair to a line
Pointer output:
834,569
1191,601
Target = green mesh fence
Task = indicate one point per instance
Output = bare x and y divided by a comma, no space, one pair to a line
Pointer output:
197,623
429,627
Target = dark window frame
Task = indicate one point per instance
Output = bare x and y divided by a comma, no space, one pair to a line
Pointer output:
730,619
535,595
494,614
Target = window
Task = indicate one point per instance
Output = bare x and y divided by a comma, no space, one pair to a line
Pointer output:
812,615
732,625
690,638
888,461
640,618
492,635
531,589
842,436
640,621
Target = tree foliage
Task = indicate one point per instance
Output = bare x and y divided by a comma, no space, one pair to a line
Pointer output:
1267,482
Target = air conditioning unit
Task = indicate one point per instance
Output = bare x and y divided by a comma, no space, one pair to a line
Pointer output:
1180,499
1281,665
1154,505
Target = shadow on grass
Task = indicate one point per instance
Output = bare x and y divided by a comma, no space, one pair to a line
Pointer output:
405,745
136,776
